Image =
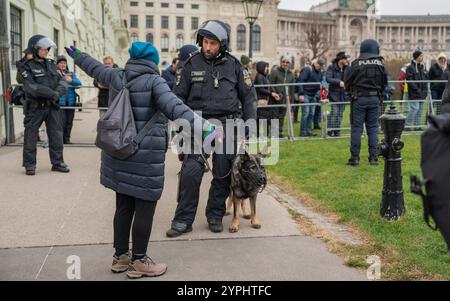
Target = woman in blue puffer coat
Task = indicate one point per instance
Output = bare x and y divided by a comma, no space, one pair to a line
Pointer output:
68,100
139,180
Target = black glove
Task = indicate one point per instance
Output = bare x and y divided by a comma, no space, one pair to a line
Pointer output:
55,101
181,157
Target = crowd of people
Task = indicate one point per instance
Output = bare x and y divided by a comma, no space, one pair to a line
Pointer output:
307,94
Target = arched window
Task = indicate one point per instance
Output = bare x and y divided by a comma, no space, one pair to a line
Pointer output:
165,43
257,38
179,42
356,23
134,37
241,37
149,38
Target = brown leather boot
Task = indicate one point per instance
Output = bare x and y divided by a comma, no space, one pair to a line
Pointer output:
145,267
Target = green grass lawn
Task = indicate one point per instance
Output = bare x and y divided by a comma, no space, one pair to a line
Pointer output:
319,169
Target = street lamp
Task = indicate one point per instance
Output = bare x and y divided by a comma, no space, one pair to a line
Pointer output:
251,9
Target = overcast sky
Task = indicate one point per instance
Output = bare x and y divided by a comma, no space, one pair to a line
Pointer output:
387,7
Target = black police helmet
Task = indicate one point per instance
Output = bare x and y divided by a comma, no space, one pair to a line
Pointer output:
369,49
39,42
216,30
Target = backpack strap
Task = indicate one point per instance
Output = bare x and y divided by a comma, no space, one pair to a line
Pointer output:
416,188
147,128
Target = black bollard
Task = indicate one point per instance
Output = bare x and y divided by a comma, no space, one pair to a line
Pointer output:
392,204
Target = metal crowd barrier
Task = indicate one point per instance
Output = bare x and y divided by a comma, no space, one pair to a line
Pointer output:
334,116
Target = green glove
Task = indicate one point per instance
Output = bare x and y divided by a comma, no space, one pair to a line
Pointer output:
210,133
73,52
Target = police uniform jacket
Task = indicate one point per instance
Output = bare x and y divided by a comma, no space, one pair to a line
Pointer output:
218,88
41,81
366,77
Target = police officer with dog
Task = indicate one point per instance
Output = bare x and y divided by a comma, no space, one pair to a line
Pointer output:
43,86
215,83
366,81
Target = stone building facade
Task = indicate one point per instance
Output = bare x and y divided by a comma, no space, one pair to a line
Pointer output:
96,27
343,23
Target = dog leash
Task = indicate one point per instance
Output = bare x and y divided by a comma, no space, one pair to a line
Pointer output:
209,169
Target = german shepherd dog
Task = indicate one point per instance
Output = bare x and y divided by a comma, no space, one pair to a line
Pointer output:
248,179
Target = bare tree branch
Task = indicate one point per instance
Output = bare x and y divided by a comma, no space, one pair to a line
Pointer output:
316,40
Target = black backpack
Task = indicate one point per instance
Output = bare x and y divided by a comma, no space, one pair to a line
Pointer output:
116,131
435,165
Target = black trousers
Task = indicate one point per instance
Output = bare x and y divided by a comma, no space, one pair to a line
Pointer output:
68,117
127,209
191,176
36,115
280,114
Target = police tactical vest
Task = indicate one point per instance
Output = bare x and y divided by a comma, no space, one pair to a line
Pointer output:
213,86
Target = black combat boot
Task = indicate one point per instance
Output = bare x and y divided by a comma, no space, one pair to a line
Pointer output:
178,229
215,226
62,167
354,161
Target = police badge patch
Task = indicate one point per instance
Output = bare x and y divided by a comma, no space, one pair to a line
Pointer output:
247,78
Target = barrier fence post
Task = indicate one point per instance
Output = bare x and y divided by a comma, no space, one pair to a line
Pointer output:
289,113
5,69
326,120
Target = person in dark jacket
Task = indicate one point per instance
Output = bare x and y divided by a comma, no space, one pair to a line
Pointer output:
69,99
439,71
103,90
336,93
263,95
43,86
186,52
417,91
282,75
214,82
366,80
170,73
139,180
311,96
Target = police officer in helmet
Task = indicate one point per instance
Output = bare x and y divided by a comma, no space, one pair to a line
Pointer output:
43,86
366,81
215,83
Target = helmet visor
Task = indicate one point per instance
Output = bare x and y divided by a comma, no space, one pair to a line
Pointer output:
45,43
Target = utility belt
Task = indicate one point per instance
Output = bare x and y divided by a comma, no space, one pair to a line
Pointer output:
45,103
358,94
224,118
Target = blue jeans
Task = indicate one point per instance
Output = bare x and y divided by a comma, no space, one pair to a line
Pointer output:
415,114
308,112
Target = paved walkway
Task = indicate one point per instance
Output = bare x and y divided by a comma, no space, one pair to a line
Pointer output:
49,217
